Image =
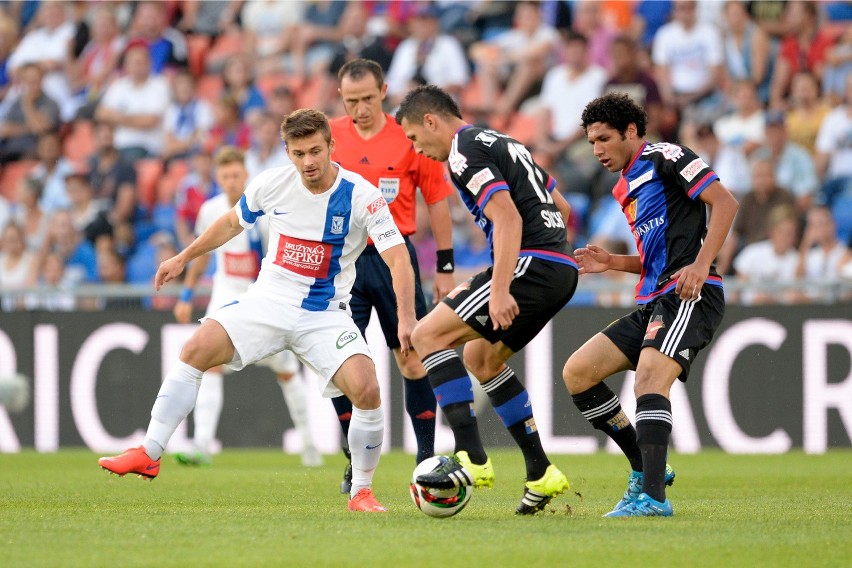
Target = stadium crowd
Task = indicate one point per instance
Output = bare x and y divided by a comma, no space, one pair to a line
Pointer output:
111,112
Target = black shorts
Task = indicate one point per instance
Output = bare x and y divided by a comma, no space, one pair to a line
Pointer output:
677,328
540,287
373,288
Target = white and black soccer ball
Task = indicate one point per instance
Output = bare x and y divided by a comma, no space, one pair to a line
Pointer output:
437,503
14,392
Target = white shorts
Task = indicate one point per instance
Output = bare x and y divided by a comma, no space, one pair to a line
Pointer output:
261,325
283,362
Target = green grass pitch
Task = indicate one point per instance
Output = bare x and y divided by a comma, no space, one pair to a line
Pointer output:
261,508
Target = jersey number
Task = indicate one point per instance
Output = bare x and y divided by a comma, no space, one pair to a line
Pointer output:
519,153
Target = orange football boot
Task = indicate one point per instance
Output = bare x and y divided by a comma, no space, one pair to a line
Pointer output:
134,460
366,502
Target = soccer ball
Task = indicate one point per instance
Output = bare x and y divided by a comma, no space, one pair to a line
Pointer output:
437,503
14,392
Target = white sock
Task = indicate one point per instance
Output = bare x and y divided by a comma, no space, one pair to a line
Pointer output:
295,396
208,408
366,431
174,403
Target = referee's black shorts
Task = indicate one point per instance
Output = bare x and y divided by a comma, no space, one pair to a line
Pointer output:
373,288
540,287
674,327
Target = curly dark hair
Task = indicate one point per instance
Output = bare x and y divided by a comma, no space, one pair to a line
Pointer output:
426,99
617,110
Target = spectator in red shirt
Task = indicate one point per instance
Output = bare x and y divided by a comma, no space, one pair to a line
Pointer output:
228,129
197,187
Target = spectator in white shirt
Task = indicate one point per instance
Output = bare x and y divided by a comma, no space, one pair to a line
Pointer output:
773,261
187,120
135,105
740,132
820,253
267,150
834,149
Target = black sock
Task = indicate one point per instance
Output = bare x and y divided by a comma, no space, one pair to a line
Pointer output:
343,408
454,393
420,404
600,406
511,402
654,428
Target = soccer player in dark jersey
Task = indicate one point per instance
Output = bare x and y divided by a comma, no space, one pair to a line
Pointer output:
369,142
498,311
663,190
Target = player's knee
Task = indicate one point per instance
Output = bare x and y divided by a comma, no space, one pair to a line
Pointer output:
367,395
193,354
577,375
481,367
421,339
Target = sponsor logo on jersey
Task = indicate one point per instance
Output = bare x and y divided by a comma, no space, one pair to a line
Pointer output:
552,219
458,163
346,338
386,235
630,211
486,138
277,212
376,205
639,230
383,219
693,168
389,188
336,225
640,180
306,258
479,179
241,264
654,326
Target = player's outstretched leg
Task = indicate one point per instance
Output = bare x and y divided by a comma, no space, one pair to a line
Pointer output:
343,408
511,402
470,465
174,403
420,404
295,397
205,415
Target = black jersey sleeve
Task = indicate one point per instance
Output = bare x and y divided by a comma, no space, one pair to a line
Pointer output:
686,170
475,167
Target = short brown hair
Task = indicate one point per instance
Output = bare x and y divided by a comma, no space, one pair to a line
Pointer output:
229,155
305,122
358,68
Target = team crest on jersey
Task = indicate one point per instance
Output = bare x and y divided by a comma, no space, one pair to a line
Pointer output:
306,258
654,326
336,225
376,205
630,211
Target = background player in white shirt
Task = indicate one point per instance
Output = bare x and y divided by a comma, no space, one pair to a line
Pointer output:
237,266
320,218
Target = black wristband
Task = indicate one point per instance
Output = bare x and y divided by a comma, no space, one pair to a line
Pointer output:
446,262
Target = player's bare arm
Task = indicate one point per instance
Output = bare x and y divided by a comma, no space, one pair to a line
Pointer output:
220,232
183,308
563,206
723,209
592,259
399,263
442,230
507,245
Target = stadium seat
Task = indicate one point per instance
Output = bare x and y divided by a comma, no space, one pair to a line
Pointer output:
11,175
168,184
197,47
268,82
209,87
148,174
79,145
224,47
842,212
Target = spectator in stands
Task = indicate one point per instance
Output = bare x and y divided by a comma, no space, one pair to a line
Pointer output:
314,38
227,127
741,132
427,57
8,39
749,51
688,58
113,179
769,16
804,48
820,253
48,44
135,105
561,140
627,76
29,215
210,17
281,103
588,20
838,65
772,261
239,85
794,168
77,253
358,41
87,216
5,211
268,28
514,61
50,171
198,186
18,266
32,114
267,151
188,119
53,288
834,149
166,45
753,218
112,269
806,111
97,65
